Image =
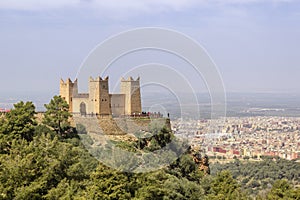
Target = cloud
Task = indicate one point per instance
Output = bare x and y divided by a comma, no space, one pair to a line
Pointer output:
119,5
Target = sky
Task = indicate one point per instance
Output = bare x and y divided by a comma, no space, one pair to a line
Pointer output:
254,43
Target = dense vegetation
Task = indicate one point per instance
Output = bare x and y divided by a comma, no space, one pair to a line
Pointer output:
258,177
48,161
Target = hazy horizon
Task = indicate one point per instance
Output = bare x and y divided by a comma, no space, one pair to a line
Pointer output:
238,104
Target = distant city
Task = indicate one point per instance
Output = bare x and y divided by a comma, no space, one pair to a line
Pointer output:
244,137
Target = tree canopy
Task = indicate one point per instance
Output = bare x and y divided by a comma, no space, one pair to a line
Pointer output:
37,163
57,115
19,123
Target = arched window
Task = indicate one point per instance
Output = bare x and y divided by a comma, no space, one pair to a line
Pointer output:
82,108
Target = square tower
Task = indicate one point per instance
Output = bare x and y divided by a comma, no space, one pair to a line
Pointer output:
99,96
131,89
67,91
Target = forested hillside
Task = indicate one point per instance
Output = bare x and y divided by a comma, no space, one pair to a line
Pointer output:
48,161
259,176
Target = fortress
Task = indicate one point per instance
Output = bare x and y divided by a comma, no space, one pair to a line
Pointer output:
99,101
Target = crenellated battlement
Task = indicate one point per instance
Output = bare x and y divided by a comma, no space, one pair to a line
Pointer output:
98,79
130,79
68,81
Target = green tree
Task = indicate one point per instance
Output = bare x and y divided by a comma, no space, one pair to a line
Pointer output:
224,186
162,185
57,115
283,190
108,184
44,168
152,186
19,123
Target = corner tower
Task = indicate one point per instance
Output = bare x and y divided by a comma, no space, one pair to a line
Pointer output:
131,89
68,90
99,96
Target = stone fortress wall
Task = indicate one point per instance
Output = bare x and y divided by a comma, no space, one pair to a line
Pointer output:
99,101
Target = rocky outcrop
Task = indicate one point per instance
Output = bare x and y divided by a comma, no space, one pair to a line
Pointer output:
202,162
119,126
